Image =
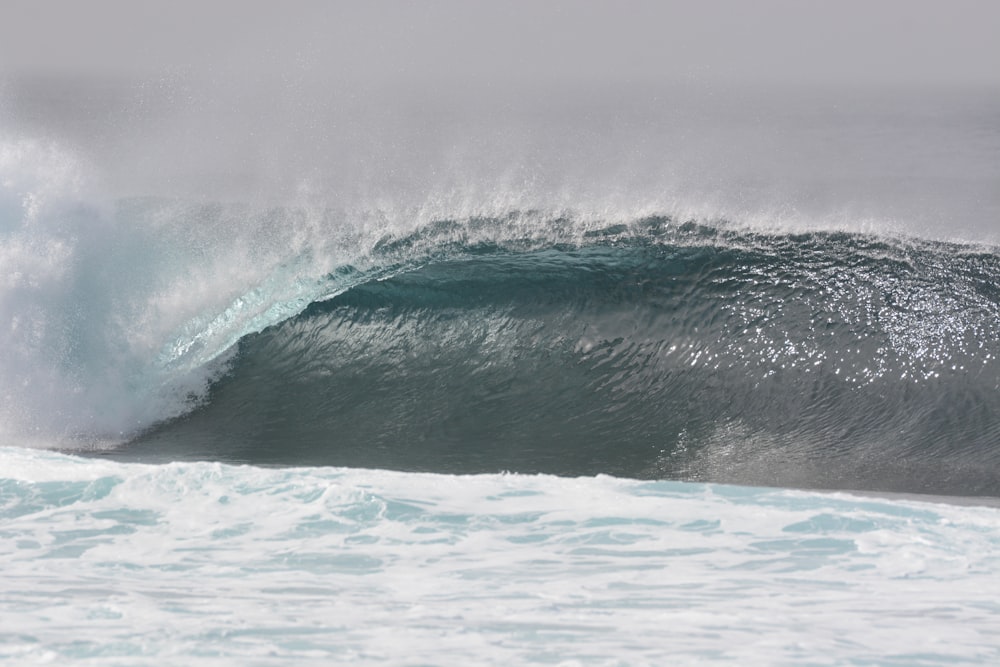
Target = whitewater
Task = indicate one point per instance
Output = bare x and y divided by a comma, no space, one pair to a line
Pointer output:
592,378
204,564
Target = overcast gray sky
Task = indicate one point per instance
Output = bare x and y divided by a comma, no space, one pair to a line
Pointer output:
872,41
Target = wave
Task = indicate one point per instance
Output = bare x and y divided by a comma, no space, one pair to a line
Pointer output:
476,335
651,349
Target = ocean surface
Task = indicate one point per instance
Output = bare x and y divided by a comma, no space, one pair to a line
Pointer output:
676,378
108,563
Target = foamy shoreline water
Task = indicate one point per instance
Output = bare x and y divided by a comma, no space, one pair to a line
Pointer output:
207,564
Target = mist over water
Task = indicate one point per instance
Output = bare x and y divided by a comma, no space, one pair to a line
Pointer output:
915,159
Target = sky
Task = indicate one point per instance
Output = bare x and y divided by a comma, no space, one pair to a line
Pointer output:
783,41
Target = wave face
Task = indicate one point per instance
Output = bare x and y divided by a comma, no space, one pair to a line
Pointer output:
652,349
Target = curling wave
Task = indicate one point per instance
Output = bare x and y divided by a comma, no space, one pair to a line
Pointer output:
648,349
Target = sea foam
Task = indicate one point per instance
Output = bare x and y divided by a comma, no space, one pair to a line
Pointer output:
112,564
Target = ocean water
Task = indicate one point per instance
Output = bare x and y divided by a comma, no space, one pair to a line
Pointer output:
204,563
609,378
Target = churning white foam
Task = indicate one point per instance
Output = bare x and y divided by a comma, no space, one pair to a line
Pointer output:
85,300
207,564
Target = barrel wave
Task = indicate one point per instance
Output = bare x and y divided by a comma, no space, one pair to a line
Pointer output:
656,348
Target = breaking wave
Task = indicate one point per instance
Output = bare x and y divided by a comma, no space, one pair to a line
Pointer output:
499,337
649,349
